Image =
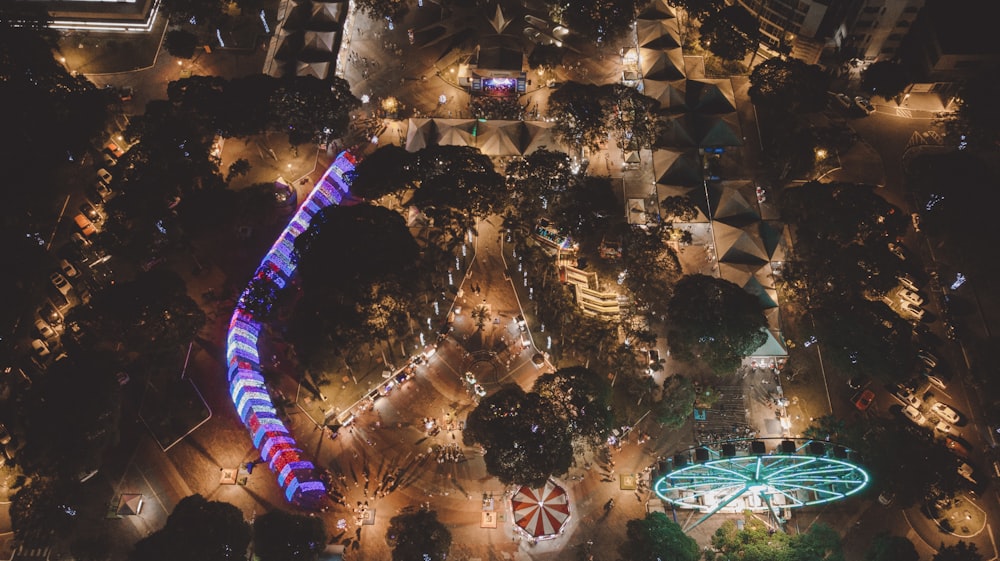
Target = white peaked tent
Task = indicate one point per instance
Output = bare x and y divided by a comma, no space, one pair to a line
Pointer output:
327,11
657,34
316,69
676,167
657,64
657,9
738,247
541,513
499,138
669,94
676,133
319,40
772,346
454,132
714,130
538,134
711,96
419,134
729,205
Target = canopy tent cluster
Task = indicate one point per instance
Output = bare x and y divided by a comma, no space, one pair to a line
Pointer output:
308,39
493,138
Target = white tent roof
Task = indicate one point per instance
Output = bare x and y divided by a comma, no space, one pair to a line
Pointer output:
327,12
661,65
676,167
736,246
657,34
771,347
320,40
419,133
669,94
541,512
454,132
317,69
711,96
499,138
538,134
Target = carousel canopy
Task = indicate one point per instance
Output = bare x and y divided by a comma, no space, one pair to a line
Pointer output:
541,512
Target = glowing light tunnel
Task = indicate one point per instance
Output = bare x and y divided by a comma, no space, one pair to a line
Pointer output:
246,383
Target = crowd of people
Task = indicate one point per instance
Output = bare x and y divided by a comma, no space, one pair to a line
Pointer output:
496,107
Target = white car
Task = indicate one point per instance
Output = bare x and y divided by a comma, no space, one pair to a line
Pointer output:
930,360
104,176
68,269
103,191
61,284
910,296
914,415
863,104
945,412
910,309
842,99
935,381
943,427
45,331
907,282
897,250
915,220
40,349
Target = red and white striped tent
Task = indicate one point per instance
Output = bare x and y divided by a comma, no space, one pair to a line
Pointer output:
541,513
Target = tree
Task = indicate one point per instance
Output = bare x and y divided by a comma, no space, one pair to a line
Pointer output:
545,56
676,402
197,529
181,43
238,168
886,547
601,20
962,551
656,537
311,109
698,9
65,434
759,542
633,116
283,536
207,12
885,78
148,315
716,320
581,397
731,33
587,209
418,536
651,267
526,442
678,208
789,85
579,114
42,508
457,185
388,170
383,9
978,116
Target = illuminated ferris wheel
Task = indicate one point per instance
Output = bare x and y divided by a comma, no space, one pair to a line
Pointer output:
745,475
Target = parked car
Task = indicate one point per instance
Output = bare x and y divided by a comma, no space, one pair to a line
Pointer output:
61,284
915,220
39,349
910,296
90,211
50,313
115,150
957,446
841,99
943,427
81,241
85,225
897,250
4,435
863,104
108,159
104,176
45,331
907,282
886,497
945,412
68,269
913,414
914,311
863,400
927,358
103,191
935,381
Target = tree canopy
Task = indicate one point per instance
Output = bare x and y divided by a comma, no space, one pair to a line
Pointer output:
788,85
758,542
197,529
579,113
599,21
731,33
387,170
885,78
886,547
961,551
418,535
526,440
581,397
716,320
656,537
283,536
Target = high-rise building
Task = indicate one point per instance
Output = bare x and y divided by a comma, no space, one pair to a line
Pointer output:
98,15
